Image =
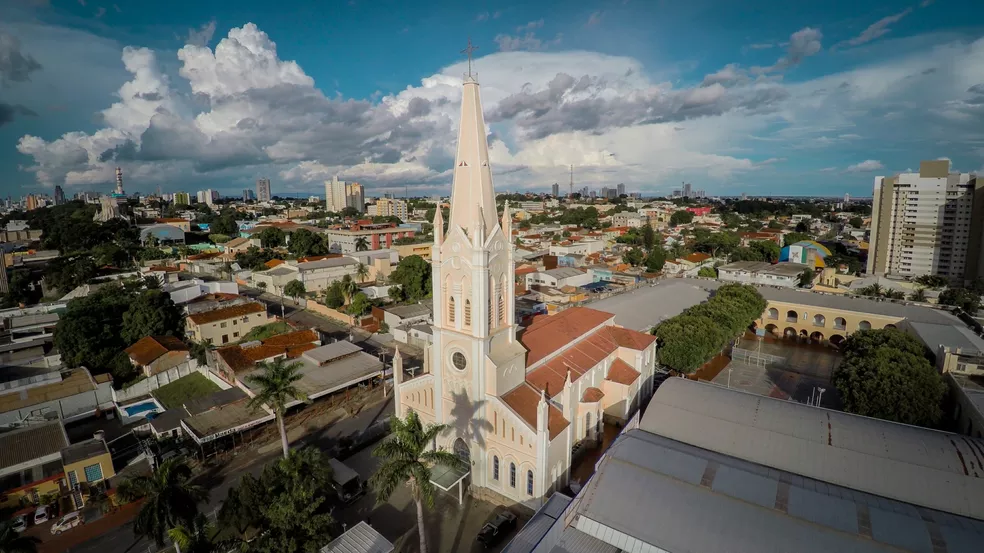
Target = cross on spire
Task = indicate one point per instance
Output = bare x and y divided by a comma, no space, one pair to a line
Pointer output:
468,52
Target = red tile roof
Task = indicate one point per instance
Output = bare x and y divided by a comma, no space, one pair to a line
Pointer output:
293,344
149,348
592,395
584,354
697,257
524,399
226,313
204,256
548,334
622,373
273,263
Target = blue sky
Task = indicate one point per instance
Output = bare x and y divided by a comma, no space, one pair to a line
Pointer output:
761,97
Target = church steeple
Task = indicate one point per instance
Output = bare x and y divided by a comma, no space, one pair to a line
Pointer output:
472,181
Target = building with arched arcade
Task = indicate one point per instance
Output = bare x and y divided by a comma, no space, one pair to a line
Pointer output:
829,319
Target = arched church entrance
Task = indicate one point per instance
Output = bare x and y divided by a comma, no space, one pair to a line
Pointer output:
460,448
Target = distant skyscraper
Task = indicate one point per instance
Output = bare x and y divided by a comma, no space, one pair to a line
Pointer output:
555,190
847,198
620,188
59,195
182,198
356,197
119,193
335,196
744,196
263,190
687,190
248,195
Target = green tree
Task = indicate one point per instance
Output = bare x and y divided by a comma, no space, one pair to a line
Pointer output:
933,282
688,341
225,223
152,313
794,237
304,243
13,542
774,224
893,294
360,305
633,256
255,258
272,237
362,272
407,458
681,217
219,238
89,333
199,351
170,499
965,299
707,272
806,277
288,508
349,212
886,374
361,244
275,387
334,298
295,289
803,226
655,260
856,222
413,274
648,237
918,295
768,249
198,537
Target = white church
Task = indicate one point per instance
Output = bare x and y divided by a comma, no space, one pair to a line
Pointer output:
517,400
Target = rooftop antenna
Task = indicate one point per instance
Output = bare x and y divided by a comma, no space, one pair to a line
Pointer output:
468,52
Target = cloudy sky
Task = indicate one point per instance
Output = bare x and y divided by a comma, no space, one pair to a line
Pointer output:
762,97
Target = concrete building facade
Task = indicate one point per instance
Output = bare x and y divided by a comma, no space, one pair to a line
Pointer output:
928,223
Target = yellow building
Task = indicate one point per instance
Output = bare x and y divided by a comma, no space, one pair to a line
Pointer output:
826,318
227,324
86,464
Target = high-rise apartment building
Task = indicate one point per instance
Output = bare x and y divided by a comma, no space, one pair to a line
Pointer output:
340,194
555,190
263,193
59,195
182,198
248,195
620,189
355,197
387,207
928,223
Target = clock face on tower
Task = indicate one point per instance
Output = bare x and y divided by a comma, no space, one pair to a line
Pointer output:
459,361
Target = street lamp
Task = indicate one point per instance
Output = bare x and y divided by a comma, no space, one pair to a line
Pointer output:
821,390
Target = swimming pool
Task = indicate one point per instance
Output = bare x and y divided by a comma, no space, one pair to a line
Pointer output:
143,408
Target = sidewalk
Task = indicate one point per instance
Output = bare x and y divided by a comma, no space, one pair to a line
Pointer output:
77,536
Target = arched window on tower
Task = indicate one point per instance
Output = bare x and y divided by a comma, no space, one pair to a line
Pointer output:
502,301
512,475
529,482
495,467
451,310
467,312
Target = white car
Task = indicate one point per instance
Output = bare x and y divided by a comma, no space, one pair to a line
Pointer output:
41,515
67,522
19,524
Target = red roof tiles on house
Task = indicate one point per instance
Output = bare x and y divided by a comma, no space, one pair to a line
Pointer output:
293,344
273,263
592,395
524,399
226,313
149,348
622,373
697,257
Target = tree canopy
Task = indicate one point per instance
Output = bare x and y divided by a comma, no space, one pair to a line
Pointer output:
690,339
288,508
295,289
887,374
413,274
305,243
152,313
255,258
272,237
681,217
964,298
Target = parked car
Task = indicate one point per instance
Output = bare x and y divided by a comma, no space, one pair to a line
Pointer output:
493,532
19,524
67,522
41,515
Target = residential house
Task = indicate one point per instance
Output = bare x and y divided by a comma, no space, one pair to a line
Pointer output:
629,219
786,275
403,315
583,247
558,278
30,464
86,465
155,354
239,245
183,224
232,361
227,324
316,275
689,264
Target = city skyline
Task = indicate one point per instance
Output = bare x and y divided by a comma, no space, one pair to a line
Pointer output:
819,102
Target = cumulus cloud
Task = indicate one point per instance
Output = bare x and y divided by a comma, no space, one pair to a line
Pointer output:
802,44
202,35
875,30
728,75
528,41
865,166
15,66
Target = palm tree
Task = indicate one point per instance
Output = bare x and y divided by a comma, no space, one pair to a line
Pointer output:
13,542
276,388
195,538
170,499
918,295
362,271
349,288
408,459
361,244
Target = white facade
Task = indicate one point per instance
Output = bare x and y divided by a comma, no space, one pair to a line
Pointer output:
263,190
583,247
386,207
559,278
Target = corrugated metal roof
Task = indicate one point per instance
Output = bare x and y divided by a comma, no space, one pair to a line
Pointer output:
536,530
655,492
915,465
361,538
